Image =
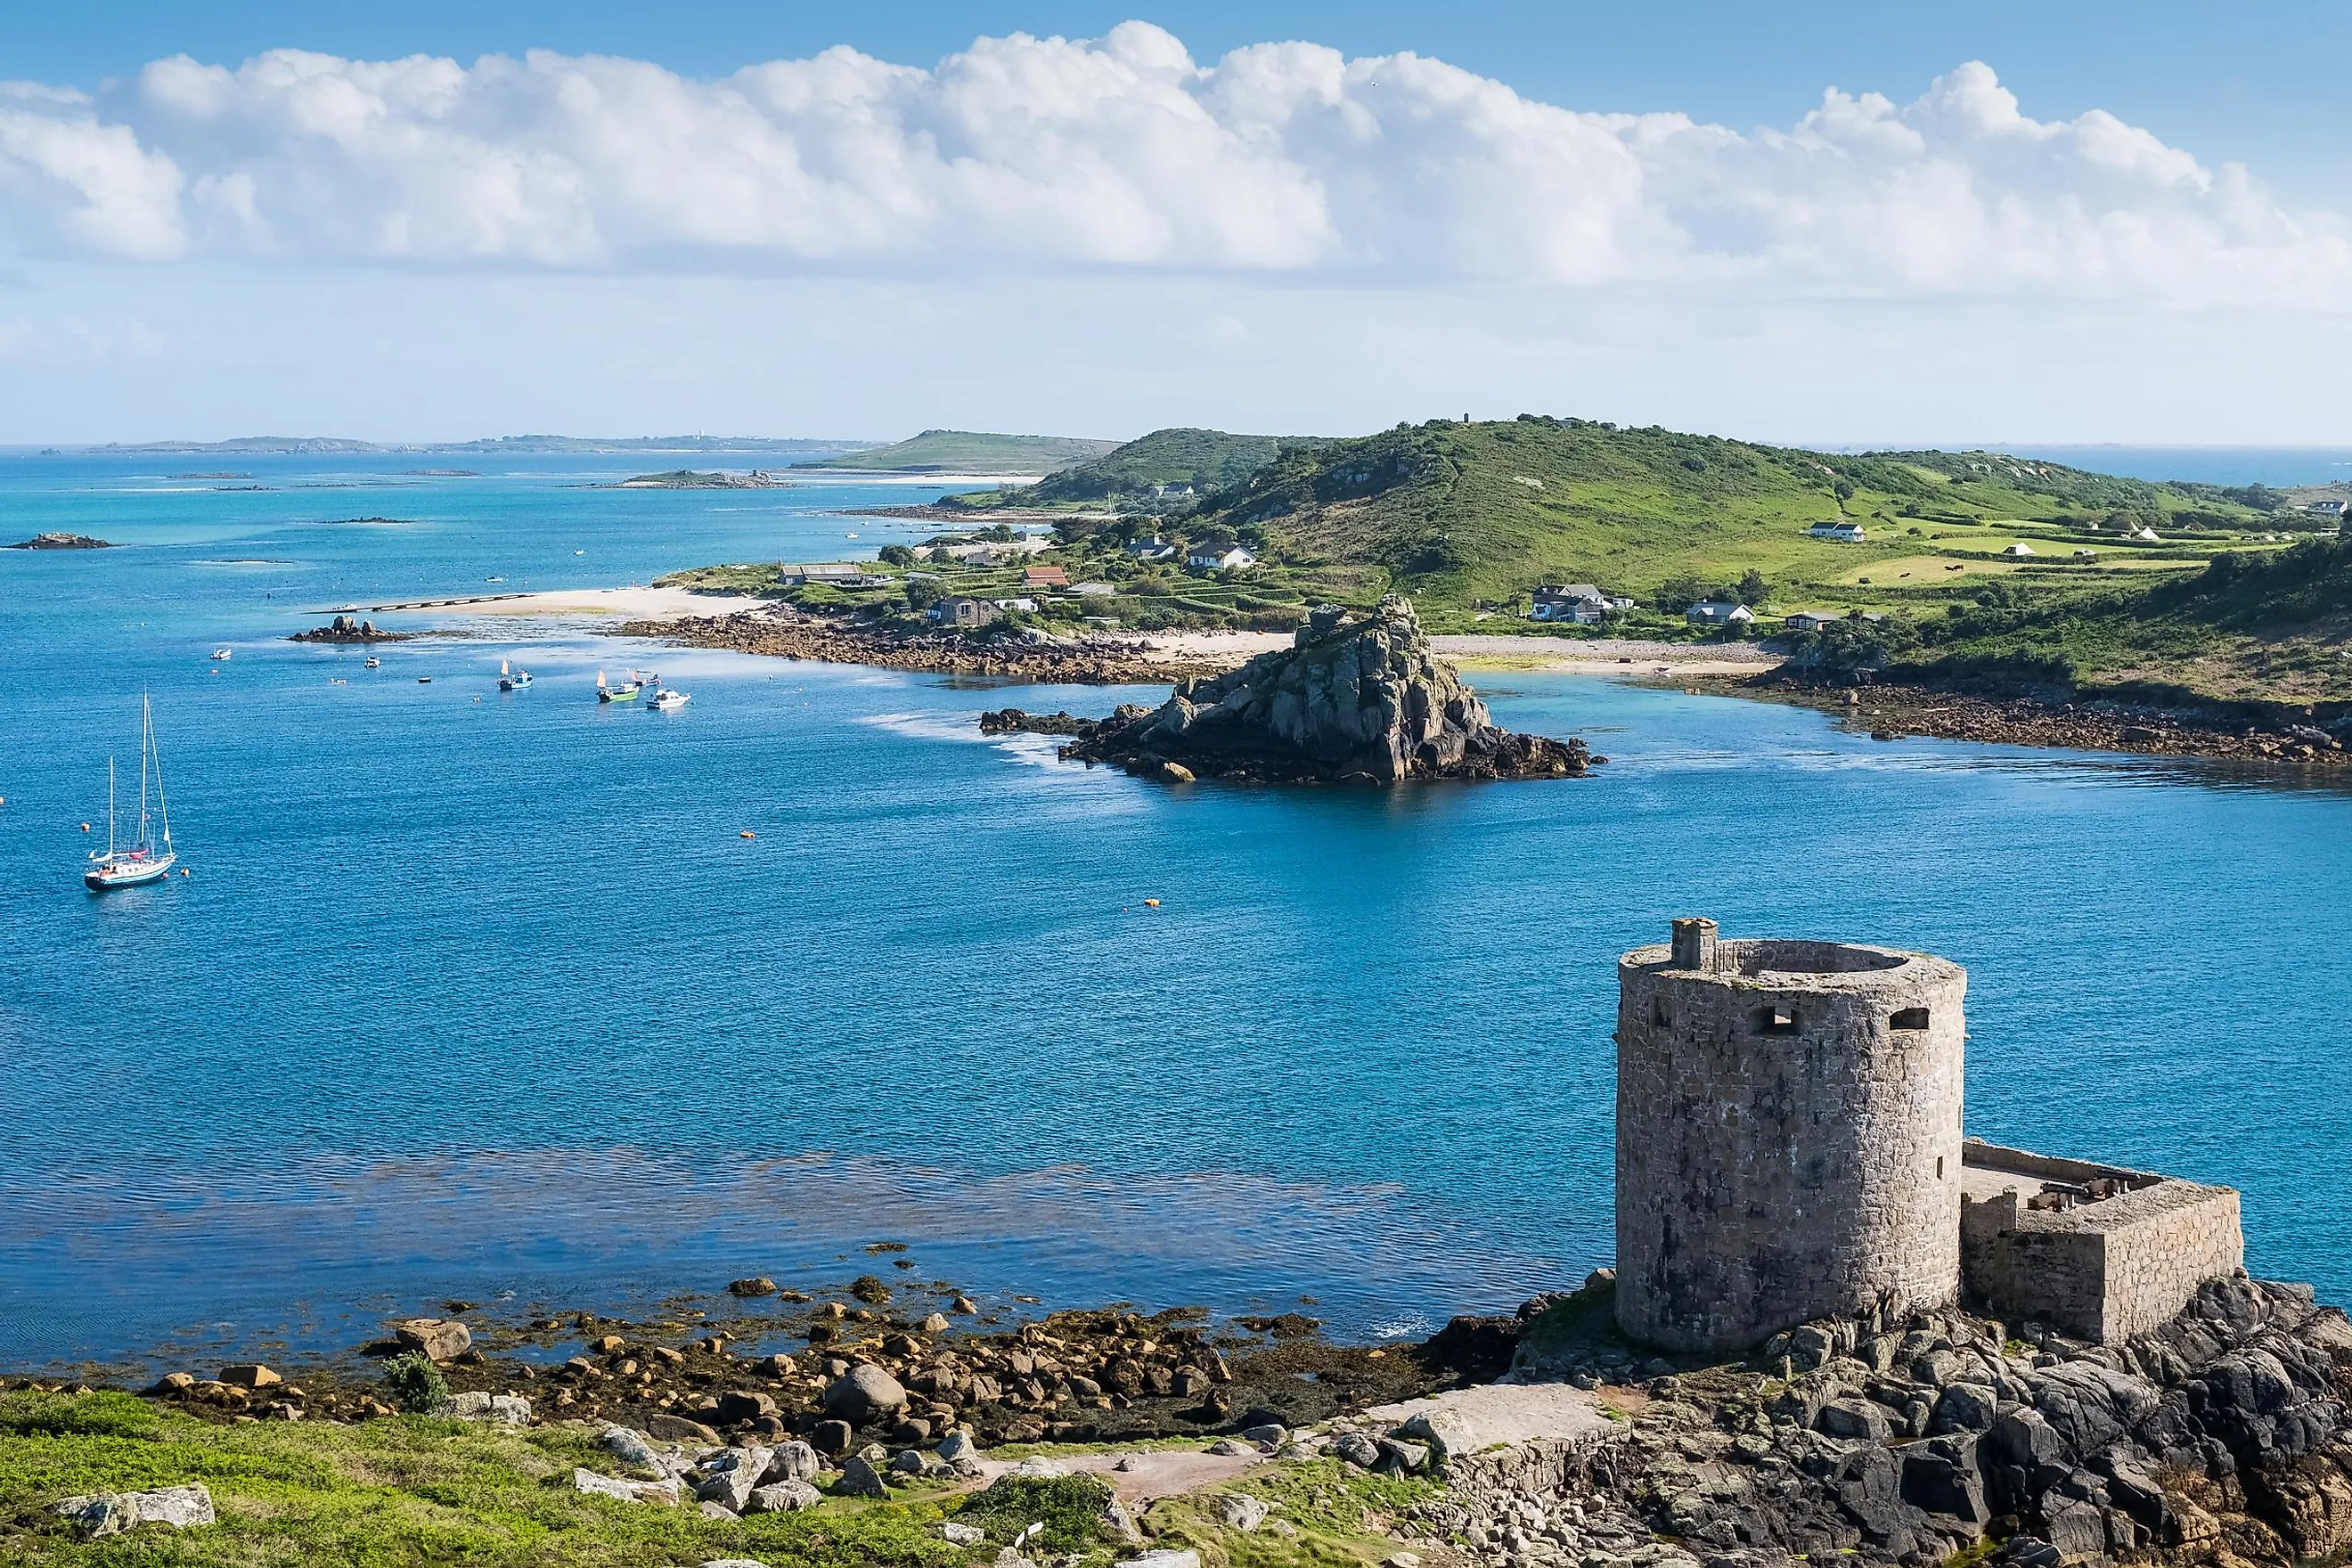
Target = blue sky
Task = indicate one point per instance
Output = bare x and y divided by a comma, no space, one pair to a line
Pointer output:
2127,222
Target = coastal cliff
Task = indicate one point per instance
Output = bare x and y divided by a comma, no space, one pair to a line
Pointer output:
1358,698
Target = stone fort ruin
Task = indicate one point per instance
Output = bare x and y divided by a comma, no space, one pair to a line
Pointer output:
1789,1147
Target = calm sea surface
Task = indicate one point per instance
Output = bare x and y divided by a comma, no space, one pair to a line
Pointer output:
472,995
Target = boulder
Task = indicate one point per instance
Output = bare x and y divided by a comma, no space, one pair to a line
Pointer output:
110,1514
1356,1448
792,1461
863,1394
1163,1557
251,1374
729,1477
758,1285
441,1339
671,1428
1241,1512
631,1448
832,1437
737,1406
588,1483
957,1446
955,1534
474,1404
863,1477
783,1496
2090,1405
1941,1478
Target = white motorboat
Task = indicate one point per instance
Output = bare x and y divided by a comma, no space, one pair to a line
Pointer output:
144,861
219,654
372,663
667,699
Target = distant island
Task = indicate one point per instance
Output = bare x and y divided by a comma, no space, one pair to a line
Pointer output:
494,446
690,480
62,542
970,452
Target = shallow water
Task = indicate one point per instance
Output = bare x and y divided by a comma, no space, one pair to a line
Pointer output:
471,993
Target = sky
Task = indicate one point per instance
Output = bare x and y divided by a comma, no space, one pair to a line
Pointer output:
1835,223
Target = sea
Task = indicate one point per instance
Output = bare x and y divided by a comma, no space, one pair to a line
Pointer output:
489,996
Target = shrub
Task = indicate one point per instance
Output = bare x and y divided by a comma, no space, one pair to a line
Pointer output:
414,1384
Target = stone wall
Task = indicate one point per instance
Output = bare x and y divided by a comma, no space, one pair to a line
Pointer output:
1787,1136
2102,1270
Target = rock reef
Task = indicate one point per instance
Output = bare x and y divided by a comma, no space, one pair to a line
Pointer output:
1356,699
344,629
62,542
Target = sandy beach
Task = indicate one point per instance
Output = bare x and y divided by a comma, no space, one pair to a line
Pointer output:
633,604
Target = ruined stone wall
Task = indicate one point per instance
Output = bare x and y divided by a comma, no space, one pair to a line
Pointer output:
2101,1271
1784,1150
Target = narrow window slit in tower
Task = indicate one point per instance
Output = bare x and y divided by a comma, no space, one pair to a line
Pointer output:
1776,1020
1658,1012
1939,1167
1909,1018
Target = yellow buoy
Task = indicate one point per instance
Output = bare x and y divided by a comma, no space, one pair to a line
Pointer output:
1151,904
747,833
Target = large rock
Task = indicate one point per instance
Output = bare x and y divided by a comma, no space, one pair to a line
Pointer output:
442,1339
863,1394
110,1514
1354,697
588,1483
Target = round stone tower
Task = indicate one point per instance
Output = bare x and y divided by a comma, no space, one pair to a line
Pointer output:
1788,1135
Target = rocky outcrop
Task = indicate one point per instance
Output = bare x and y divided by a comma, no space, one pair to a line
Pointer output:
1354,699
2222,1431
344,629
62,542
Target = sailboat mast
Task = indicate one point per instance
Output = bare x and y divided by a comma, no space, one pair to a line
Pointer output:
109,806
146,742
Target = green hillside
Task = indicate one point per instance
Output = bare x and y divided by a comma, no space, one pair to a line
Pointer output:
1134,474
1462,513
969,452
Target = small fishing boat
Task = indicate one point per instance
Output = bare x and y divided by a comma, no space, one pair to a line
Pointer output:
626,692
372,663
667,698
512,679
144,861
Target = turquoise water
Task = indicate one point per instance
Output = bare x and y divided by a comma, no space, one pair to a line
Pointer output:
470,997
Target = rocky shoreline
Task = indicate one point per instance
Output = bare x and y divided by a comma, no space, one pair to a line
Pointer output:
62,542
783,632
1892,711
1545,1438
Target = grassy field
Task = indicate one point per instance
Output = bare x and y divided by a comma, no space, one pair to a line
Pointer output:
407,1491
1131,474
970,452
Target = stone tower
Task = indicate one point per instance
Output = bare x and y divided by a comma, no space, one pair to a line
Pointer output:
1788,1135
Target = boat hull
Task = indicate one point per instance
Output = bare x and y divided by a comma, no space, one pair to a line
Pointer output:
106,878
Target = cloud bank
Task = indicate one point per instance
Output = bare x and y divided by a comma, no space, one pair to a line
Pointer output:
1277,162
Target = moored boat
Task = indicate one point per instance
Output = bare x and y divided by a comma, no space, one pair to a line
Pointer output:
144,861
512,679
667,698
626,692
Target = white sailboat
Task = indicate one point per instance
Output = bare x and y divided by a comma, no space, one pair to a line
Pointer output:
144,860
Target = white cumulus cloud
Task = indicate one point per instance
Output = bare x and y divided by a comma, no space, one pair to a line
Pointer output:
1123,153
